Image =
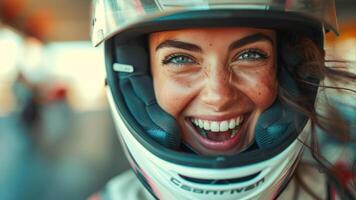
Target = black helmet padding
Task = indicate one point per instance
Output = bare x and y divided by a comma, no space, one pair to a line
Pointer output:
138,93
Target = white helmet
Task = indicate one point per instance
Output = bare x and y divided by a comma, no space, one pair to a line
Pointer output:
151,137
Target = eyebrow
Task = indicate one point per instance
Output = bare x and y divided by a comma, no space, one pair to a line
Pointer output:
236,44
179,45
250,39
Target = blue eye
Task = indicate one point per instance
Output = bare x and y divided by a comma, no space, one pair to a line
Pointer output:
178,60
251,55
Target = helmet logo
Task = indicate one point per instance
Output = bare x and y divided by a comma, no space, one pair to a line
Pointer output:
188,188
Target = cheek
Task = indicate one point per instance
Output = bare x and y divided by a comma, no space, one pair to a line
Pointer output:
261,87
172,95
266,92
167,98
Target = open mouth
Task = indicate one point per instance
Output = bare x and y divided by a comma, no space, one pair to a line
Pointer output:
218,135
218,130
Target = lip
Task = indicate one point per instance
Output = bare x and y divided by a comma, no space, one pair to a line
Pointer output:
220,145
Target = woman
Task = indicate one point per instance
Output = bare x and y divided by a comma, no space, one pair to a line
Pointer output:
214,86
210,97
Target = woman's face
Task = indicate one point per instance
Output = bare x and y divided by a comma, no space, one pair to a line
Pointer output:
214,82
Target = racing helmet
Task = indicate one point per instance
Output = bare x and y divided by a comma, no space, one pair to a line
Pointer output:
151,137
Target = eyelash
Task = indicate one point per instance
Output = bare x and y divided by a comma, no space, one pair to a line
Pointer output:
258,55
170,59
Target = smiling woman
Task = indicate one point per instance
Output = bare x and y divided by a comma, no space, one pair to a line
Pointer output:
212,86
210,97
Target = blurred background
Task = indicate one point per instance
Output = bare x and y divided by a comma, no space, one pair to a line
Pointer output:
57,138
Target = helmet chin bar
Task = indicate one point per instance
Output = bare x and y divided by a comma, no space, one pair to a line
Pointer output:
169,175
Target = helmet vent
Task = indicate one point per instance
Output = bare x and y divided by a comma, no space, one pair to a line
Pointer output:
220,181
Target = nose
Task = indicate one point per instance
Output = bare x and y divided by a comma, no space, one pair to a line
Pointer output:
219,91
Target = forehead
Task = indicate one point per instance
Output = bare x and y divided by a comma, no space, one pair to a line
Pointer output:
202,34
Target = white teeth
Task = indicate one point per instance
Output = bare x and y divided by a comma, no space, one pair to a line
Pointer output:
196,122
201,123
206,125
238,120
224,126
232,123
217,126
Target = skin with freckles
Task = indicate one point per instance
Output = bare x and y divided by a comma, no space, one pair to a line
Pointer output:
214,74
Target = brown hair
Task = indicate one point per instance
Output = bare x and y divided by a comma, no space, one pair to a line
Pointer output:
307,65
